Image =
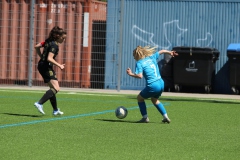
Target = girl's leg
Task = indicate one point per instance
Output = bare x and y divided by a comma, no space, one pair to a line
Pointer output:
159,106
143,109
54,88
142,106
161,109
53,99
50,95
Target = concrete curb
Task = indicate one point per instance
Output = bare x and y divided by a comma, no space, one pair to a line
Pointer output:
134,92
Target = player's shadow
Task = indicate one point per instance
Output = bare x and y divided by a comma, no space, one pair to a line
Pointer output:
118,120
23,115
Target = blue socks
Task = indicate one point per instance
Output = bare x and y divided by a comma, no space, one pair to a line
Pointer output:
161,108
143,108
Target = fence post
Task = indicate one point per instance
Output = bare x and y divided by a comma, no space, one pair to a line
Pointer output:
120,46
31,33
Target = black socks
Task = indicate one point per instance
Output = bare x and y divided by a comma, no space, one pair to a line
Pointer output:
53,101
47,96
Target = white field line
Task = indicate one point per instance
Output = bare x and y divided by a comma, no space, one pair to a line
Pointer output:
89,94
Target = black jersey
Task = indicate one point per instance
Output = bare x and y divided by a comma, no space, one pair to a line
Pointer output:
49,46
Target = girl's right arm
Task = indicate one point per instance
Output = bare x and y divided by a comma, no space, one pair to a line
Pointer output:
52,60
129,72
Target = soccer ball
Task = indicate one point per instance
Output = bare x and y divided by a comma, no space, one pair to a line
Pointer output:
121,112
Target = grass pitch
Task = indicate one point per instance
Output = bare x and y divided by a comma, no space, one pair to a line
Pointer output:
200,129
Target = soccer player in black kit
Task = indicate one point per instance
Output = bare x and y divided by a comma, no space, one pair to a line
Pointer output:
45,67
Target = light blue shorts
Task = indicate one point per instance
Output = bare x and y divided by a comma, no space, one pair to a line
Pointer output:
154,89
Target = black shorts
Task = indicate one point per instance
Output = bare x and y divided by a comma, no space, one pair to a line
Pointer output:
46,72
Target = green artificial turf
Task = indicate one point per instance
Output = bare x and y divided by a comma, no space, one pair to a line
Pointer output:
200,129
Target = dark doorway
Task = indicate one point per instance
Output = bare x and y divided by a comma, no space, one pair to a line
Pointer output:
98,54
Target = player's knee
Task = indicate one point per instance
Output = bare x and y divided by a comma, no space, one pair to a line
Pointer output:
140,98
58,89
155,101
55,90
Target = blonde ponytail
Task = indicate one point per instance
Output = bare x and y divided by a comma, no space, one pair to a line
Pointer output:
142,52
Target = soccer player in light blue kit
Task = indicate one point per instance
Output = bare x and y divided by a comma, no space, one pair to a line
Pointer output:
147,67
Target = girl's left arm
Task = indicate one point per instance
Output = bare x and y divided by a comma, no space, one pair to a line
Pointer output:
37,48
172,53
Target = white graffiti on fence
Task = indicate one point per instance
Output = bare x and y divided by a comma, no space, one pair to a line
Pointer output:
205,41
147,37
150,36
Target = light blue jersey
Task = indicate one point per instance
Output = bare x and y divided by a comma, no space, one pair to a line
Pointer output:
149,68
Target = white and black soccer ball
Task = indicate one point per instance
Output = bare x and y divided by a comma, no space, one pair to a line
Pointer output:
121,112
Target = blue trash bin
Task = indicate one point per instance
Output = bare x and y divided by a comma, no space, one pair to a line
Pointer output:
233,53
